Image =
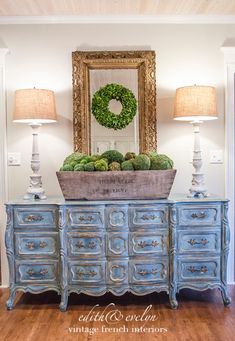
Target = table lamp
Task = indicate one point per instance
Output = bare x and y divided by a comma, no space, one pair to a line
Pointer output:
35,107
196,104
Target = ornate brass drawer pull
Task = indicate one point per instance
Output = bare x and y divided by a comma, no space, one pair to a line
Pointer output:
203,269
81,273
194,242
32,245
80,244
31,218
199,215
41,272
148,217
146,272
91,245
144,244
83,218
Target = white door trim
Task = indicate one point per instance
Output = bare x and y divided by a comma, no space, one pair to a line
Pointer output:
3,165
229,63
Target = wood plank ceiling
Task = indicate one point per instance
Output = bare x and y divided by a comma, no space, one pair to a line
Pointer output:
115,7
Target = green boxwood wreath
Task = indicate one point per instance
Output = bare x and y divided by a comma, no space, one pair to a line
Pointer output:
100,106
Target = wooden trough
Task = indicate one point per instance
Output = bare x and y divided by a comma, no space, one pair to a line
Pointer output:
112,185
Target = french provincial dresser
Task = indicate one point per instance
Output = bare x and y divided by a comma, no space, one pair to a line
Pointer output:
137,246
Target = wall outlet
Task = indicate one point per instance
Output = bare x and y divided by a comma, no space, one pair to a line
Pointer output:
14,159
216,156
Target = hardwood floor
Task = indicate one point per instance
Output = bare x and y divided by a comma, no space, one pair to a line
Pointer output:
201,316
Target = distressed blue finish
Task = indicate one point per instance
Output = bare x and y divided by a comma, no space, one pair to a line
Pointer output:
140,246
87,273
198,269
173,256
34,217
117,244
198,215
85,217
85,244
148,216
117,272
37,272
37,245
201,241
148,243
145,271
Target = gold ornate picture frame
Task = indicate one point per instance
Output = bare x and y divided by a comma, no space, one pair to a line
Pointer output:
144,62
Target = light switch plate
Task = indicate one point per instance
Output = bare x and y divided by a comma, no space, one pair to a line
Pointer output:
14,159
216,156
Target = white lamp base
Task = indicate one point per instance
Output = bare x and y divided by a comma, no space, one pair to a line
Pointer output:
35,189
198,188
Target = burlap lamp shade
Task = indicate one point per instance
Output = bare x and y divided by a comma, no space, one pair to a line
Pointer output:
34,105
195,103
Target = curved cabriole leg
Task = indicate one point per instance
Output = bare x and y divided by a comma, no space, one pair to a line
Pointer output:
225,296
10,301
64,300
173,301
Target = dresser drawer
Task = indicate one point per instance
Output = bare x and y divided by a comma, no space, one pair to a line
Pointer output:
39,244
143,271
85,217
36,272
40,217
200,215
148,243
117,217
117,244
117,272
199,269
201,241
90,272
148,216
86,244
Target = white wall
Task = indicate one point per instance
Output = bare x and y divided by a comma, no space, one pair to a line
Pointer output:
40,56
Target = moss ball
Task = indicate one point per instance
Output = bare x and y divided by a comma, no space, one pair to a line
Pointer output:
113,155
130,155
161,162
89,167
127,165
141,162
101,165
79,168
74,157
86,159
66,168
152,154
95,157
114,166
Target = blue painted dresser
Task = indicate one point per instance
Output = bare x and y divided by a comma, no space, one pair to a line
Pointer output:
140,246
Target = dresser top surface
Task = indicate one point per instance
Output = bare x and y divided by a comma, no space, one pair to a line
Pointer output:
176,198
